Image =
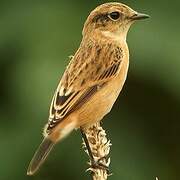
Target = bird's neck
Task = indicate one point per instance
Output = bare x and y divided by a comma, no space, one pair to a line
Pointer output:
102,37
115,36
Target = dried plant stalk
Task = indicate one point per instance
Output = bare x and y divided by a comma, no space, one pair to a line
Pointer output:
100,148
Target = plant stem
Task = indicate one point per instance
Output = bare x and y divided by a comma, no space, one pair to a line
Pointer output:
100,148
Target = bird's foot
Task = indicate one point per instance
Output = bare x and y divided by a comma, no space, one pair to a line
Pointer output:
99,164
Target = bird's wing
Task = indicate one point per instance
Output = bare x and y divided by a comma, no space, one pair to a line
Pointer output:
89,69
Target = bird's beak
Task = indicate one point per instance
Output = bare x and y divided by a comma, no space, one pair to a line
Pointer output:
139,16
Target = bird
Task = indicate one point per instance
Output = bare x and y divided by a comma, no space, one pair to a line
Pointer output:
93,78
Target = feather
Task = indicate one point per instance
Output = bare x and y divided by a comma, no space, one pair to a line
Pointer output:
40,156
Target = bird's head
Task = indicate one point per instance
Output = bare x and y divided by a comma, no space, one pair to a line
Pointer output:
111,19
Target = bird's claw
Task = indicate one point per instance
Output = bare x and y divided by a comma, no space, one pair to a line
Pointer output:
100,165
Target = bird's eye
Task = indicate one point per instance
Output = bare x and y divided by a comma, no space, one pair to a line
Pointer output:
114,16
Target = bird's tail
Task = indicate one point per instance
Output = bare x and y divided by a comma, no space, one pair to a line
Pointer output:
40,155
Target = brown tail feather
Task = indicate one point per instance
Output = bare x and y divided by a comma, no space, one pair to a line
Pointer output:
40,156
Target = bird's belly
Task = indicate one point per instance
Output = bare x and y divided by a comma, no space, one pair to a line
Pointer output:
95,109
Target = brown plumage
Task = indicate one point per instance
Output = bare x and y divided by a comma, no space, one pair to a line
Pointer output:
94,77
102,63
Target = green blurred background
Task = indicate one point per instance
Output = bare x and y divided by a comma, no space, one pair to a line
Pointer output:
36,38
